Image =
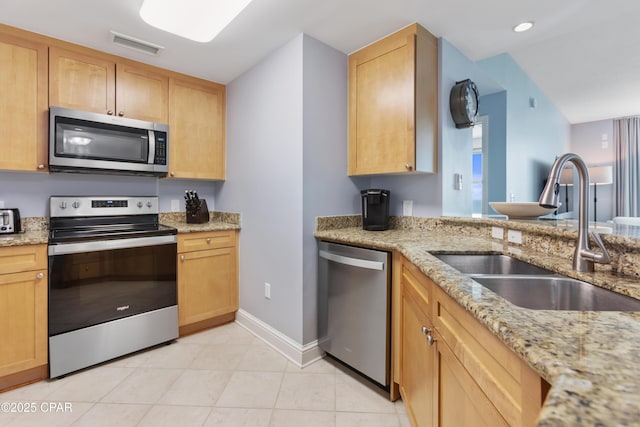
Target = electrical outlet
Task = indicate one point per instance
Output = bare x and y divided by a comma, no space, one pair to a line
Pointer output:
175,205
267,290
497,232
514,236
407,207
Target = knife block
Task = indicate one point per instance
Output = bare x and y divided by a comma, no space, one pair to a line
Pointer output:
199,216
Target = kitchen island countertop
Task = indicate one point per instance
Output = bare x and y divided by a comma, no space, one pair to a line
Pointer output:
591,359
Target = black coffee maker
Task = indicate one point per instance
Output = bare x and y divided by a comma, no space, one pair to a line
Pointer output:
375,209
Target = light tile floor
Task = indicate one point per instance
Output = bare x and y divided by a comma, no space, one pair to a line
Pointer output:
221,377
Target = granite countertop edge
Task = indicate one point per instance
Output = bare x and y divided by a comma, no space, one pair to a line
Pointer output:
587,357
37,228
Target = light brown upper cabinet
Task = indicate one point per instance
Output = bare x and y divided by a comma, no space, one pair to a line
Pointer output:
197,129
84,80
23,102
393,104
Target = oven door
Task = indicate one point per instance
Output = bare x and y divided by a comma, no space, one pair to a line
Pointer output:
91,283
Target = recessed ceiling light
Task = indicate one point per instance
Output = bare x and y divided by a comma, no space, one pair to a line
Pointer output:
523,26
198,20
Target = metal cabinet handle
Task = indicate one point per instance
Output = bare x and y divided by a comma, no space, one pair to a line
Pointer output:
181,257
408,166
110,112
208,240
172,173
427,331
40,166
431,339
39,275
121,113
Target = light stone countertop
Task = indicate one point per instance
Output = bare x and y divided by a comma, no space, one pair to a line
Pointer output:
218,221
30,237
591,359
37,228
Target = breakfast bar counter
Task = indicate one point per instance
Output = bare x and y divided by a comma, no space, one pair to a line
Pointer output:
590,359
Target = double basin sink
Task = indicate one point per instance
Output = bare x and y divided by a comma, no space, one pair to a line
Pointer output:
533,287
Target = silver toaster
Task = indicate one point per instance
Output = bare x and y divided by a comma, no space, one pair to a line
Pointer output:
10,221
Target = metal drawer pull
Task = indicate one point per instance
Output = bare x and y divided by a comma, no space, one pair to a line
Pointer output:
39,275
208,240
181,257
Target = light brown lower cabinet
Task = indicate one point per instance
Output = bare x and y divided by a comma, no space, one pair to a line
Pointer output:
23,314
453,371
207,279
461,401
418,360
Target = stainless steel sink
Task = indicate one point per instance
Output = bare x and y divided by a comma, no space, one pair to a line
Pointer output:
530,286
490,264
556,293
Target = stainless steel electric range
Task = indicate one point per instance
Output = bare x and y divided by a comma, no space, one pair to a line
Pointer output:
112,280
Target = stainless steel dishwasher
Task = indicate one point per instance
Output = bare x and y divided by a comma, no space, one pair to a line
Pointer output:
354,307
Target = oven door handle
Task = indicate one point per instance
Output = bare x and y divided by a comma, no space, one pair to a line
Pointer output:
105,245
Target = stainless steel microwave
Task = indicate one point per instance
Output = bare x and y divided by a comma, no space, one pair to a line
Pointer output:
81,141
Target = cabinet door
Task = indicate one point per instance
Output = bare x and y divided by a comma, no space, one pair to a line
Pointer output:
382,107
197,123
417,375
81,81
23,321
207,284
461,402
23,104
142,94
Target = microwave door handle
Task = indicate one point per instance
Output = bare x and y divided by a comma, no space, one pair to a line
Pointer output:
152,148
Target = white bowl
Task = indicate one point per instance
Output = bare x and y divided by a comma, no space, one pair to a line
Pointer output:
521,209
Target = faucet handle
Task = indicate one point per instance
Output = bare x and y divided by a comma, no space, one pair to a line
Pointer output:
603,257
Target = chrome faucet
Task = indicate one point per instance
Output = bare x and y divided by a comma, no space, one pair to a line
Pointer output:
584,257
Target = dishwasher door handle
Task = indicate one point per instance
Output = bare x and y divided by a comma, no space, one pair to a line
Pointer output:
353,262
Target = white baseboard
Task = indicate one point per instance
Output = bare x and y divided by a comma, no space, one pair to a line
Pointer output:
300,355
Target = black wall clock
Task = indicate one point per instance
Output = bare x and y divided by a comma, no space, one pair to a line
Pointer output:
463,103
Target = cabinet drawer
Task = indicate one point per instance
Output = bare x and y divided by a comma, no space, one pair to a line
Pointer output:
15,259
206,240
508,382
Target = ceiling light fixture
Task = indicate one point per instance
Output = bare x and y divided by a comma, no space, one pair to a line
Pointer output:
523,26
198,20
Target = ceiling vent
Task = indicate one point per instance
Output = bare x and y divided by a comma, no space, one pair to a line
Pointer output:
136,44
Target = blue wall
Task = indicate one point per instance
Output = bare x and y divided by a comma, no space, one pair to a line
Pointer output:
495,107
30,191
535,136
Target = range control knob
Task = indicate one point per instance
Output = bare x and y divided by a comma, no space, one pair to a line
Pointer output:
139,204
63,205
149,204
75,204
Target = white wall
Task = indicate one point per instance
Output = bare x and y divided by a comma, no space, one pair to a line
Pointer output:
286,164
